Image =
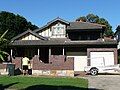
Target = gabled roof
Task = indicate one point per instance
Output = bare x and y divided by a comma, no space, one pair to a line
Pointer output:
84,25
31,32
118,27
58,19
49,23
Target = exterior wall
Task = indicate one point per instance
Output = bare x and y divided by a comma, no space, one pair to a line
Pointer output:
58,59
117,37
29,37
67,64
80,57
53,31
103,50
3,69
18,62
18,67
58,66
118,46
46,33
69,73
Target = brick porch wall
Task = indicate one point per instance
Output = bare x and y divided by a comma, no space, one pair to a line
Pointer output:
56,63
3,66
59,66
18,62
3,69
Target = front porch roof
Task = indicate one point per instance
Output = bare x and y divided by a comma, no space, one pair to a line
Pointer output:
31,32
64,41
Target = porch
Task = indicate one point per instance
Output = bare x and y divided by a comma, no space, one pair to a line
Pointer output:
43,53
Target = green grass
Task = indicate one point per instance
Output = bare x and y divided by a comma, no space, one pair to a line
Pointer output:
42,83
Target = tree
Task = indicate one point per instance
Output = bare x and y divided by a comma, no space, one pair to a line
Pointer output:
3,41
96,19
16,24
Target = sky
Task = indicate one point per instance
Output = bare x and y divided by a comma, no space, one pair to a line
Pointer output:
39,12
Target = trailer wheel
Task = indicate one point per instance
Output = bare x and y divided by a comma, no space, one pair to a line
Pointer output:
93,71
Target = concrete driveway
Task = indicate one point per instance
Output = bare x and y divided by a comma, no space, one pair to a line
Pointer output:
104,82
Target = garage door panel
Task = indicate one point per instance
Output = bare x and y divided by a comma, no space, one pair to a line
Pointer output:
101,58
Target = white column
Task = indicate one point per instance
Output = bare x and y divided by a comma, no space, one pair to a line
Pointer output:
49,51
63,51
11,52
38,51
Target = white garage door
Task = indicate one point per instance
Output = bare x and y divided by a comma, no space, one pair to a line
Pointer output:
101,58
79,62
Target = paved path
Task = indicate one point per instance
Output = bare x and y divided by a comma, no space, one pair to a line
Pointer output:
104,82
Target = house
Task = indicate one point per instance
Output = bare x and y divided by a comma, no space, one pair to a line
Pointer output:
61,47
117,36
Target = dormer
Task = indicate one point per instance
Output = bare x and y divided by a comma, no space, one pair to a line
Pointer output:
54,29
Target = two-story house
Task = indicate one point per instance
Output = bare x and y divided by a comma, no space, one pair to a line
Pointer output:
59,40
117,36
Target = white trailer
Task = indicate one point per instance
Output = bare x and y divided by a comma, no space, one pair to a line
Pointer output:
102,67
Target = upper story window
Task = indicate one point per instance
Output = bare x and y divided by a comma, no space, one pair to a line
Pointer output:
84,35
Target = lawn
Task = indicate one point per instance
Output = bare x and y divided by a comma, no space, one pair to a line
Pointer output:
42,83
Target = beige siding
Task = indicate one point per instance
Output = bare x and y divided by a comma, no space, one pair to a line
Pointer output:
45,33
29,37
53,31
61,33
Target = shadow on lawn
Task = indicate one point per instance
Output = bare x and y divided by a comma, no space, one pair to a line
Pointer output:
50,87
6,86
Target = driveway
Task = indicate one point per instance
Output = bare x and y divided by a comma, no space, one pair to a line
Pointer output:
104,82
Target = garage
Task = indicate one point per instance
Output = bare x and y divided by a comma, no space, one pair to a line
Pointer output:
101,58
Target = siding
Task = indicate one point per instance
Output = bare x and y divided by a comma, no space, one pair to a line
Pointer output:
53,33
29,37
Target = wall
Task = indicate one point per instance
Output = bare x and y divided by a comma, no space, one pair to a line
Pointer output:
46,33
18,62
58,66
57,63
18,66
3,69
29,37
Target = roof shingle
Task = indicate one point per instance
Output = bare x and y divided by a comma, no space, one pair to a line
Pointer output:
84,25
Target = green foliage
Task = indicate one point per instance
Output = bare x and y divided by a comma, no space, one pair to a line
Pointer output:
16,24
96,19
3,41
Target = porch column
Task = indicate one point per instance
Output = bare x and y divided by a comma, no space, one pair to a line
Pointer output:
63,51
11,52
49,52
38,52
